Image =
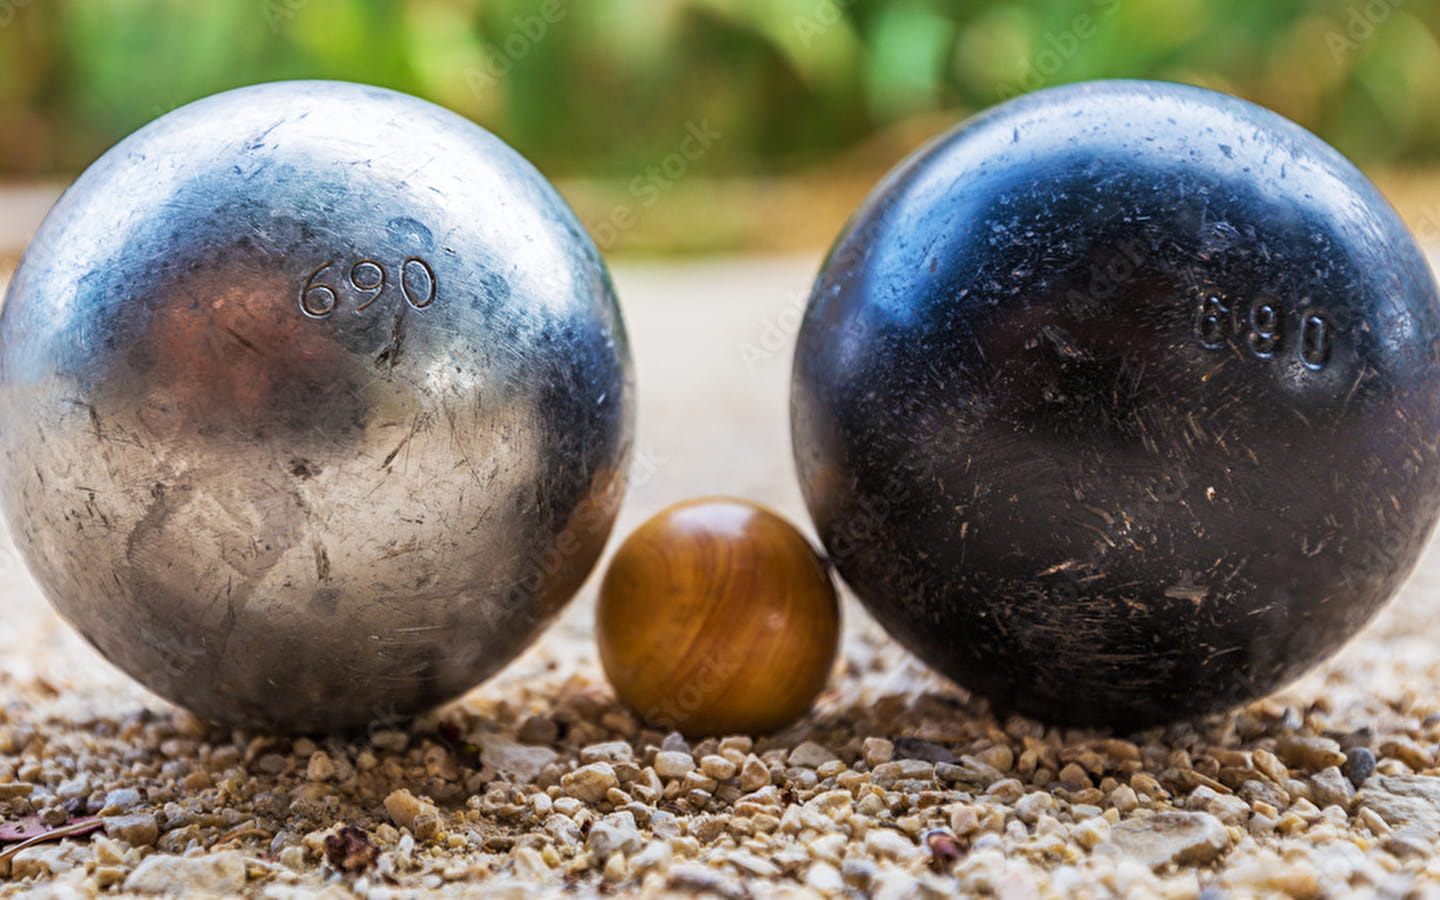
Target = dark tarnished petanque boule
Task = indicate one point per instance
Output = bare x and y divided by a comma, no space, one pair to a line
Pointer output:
1119,403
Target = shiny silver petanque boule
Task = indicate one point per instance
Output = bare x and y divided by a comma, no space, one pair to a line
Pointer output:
316,405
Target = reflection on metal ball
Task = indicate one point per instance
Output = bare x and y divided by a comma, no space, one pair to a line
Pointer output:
316,405
1121,402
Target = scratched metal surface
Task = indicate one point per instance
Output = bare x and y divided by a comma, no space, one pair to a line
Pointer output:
310,431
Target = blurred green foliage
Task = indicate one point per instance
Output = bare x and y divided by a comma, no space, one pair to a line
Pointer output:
604,88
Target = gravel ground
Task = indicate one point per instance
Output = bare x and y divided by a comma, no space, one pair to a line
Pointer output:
897,785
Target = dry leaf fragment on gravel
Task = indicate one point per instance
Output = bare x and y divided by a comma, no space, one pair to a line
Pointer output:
945,849
29,831
22,829
350,849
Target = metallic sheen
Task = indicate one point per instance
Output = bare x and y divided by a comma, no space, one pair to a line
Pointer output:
316,405
1121,402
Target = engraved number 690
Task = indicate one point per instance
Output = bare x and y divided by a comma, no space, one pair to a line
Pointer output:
364,283
1261,326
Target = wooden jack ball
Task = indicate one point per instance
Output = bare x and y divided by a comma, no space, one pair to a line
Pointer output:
717,617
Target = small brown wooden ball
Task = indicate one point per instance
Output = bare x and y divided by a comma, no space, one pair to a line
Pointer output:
717,617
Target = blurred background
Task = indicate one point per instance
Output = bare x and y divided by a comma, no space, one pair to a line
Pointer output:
715,126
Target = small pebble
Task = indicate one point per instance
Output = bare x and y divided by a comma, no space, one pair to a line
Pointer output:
538,730
964,820
73,789
1269,765
216,874
1091,833
1007,790
1170,837
657,854
15,790
673,763
1412,841
1032,806
320,768
918,748
738,743
616,868
609,752
885,843
391,740
1074,777
590,784
405,810
1228,808
137,830
1257,791
969,771
530,865
1146,786
999,757
809,755
1329,787
1408,752
754,775
616,833
718,767
824,879
1359,765
889,774
1308,753
121,800
876,751
1374,822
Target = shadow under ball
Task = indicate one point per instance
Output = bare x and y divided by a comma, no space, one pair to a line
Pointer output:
316,404
1118,403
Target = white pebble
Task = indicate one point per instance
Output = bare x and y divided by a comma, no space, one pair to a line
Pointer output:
673,764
